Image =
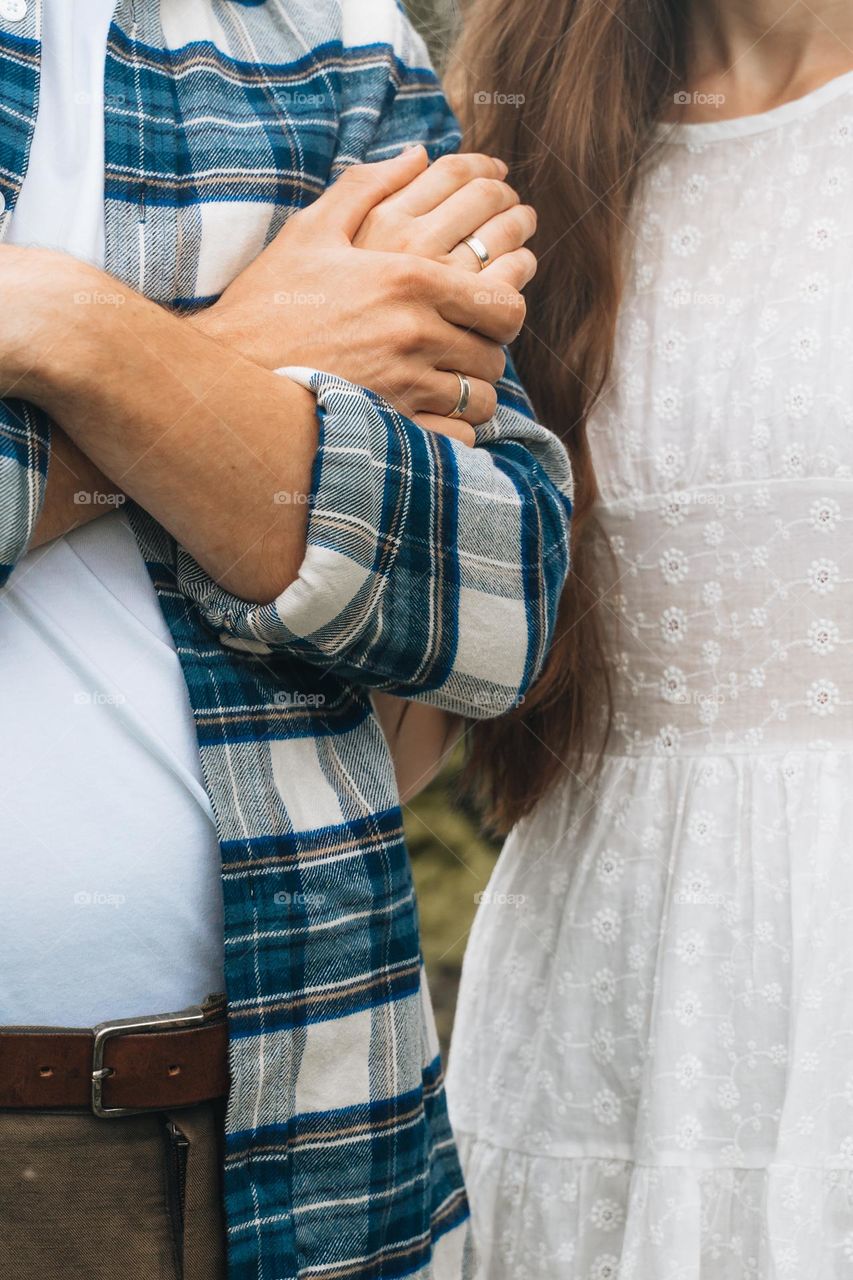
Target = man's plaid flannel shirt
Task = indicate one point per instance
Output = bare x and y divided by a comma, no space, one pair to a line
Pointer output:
432,571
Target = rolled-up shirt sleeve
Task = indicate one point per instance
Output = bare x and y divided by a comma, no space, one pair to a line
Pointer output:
432,570
24,455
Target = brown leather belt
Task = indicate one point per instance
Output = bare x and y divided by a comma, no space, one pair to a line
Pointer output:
118,1068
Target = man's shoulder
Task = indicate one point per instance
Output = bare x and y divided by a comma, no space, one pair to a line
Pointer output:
382,22
271,32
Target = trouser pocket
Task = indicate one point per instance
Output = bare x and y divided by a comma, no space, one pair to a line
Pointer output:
85,1197
193,1138
177,1157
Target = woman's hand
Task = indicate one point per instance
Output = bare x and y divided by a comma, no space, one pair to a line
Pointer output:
457,197
394,322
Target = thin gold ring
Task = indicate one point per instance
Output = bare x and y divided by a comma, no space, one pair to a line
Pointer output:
464,395
479,250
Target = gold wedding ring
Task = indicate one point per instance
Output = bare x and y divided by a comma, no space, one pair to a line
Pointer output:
464,395
478,249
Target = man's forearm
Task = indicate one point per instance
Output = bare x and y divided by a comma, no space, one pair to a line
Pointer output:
315,249
217,449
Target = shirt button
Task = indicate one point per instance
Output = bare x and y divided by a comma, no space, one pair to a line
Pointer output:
2,204
13,10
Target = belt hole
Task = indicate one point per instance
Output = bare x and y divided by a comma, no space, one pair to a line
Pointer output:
45,1072
174,1069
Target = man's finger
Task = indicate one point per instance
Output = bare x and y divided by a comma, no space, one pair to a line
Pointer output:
515,269
470,353
441,393
489,304
343,207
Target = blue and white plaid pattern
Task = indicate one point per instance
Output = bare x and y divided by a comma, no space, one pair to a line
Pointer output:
431,570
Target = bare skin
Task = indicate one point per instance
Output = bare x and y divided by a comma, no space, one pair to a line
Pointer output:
390,329
410,208
758,54
755,55
203,442
421,738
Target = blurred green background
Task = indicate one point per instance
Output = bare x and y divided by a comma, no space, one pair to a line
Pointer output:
452,860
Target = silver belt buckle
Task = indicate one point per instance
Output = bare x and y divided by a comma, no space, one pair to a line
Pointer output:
105,1031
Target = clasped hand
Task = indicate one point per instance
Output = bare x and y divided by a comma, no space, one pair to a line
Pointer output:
374,283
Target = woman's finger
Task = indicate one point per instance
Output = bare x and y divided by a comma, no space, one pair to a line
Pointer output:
360,188
445,176
502,234
456,428
466,210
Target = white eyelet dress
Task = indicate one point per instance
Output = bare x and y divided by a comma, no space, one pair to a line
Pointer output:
652,1070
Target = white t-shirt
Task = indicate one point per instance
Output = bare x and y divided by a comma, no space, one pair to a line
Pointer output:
111,901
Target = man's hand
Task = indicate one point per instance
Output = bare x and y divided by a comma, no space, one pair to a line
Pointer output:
397,322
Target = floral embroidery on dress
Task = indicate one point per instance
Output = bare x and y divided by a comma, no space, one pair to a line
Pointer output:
651,1072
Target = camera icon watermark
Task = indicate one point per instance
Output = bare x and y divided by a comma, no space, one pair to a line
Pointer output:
293,498
293,698
301,98
486,98
284,899
85,898
488,897
288,298
99,298
95,498
98,698
684,99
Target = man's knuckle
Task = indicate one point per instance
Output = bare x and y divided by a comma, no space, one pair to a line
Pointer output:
519,310
489,190
508,298
488,403
520,221
497,363
510,313
408,334
411,278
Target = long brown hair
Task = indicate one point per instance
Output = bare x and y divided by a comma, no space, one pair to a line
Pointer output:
568,93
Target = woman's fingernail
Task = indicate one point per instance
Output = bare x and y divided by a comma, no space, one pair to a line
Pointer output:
504,167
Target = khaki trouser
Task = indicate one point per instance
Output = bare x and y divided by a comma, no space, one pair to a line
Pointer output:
131,1198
